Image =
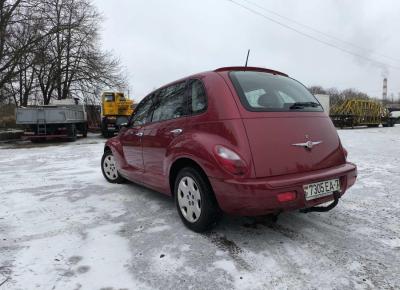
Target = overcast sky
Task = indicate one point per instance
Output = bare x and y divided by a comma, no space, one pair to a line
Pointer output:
159,41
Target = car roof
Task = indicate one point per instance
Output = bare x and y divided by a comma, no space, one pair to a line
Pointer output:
227,69
221,69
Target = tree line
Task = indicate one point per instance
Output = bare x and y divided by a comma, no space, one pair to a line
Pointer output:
337,96
49,49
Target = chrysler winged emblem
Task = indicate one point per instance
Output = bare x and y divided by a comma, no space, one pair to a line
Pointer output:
308,145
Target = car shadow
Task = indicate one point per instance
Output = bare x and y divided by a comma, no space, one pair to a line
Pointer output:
229,224
246,242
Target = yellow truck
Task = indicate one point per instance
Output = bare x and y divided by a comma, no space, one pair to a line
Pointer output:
115,110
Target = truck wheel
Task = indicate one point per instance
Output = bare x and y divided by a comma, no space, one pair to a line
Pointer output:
103,133
104,129
195,200
38,140
109,168
85,130
106,134
72,132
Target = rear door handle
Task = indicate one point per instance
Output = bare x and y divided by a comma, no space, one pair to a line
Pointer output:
176,131
140,134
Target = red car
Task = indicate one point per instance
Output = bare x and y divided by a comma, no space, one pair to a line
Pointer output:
239,140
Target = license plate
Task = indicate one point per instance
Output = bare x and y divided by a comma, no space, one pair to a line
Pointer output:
320,189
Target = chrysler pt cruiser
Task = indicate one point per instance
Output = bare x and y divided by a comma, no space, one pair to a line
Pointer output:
237,140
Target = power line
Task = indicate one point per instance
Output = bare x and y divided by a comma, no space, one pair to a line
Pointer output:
373,61
321,32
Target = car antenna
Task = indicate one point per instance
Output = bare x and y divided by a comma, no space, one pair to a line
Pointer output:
247,59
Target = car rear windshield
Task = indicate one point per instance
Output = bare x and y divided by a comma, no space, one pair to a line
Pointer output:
265,92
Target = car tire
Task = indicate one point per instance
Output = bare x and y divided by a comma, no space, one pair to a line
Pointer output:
195,200
109,168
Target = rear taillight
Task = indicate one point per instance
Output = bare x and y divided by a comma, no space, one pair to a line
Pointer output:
230,160
286,196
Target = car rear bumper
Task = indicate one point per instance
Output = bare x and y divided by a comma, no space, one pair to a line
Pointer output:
256,196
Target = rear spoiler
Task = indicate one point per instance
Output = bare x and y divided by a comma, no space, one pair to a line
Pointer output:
250,68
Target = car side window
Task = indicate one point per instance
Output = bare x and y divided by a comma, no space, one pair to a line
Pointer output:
171,103
140,116
197,97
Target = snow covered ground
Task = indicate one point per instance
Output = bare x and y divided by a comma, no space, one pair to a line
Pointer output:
62,226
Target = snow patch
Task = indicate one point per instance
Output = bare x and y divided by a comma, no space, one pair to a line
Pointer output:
61,261
157,229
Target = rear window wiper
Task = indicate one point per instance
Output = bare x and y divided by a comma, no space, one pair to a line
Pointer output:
301,105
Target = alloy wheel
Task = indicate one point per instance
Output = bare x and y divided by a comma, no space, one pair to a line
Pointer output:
189,199
109,167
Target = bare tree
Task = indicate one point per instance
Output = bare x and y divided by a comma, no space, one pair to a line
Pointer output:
317,90
74,65
50,49
19,33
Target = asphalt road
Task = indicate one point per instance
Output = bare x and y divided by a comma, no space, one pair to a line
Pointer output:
62,226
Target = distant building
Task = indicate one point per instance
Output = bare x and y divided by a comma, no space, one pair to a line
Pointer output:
325,102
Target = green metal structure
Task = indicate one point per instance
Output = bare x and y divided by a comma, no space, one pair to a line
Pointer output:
360,112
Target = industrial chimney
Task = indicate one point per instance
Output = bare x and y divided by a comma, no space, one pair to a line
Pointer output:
384,95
